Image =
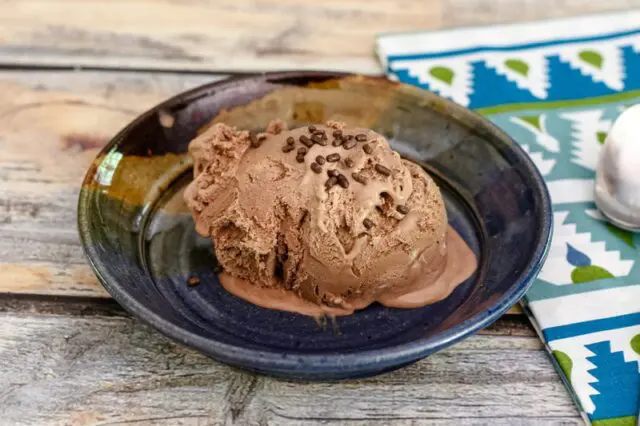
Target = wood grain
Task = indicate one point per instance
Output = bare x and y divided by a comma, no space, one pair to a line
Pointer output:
235,35
52,125
18,304
67,370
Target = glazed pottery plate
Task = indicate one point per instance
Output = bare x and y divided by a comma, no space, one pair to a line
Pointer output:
141,242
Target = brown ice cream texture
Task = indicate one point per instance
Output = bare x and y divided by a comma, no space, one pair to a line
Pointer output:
322,219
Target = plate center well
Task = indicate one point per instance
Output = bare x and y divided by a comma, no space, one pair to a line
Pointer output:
174,253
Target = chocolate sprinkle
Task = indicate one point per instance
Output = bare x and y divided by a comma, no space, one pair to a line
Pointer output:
330,182
349,144
343,181
367,148
262,137
402,209
300,158
382,170
349,162
302,151
359,178
349,137
361,137
367,223
253,140
291,140
312,128
318,139
288,148
332,173
337,133
337,142
306,141
320,160
332,158
316,168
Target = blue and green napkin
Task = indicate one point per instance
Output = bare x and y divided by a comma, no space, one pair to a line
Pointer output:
556,87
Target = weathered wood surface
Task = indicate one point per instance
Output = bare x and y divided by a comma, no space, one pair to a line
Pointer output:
52,125
234,35
98,370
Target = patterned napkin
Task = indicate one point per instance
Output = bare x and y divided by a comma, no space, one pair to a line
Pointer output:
556,87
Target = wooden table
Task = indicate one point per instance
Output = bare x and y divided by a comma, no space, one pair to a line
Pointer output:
74,72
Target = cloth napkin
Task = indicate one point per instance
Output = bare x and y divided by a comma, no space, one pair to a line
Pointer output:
556,87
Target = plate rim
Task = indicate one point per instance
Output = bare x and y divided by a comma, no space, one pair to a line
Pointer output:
340,365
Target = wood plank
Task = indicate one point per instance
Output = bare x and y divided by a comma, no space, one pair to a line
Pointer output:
250,35
59,369
490,12
507,325
52,124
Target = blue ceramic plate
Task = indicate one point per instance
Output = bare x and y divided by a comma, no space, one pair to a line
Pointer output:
141,242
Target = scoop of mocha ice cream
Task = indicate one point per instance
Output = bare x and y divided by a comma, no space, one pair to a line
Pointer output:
327,215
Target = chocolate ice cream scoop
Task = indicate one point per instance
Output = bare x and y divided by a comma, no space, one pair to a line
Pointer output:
322,219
